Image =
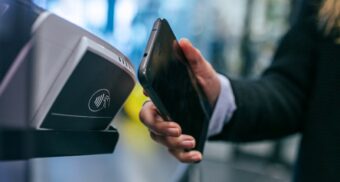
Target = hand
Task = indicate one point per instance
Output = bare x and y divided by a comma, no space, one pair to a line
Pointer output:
168,133
204,72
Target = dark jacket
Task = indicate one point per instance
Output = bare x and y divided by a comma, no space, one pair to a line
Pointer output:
300,92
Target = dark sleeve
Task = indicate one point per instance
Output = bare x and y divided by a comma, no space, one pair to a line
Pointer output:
275,105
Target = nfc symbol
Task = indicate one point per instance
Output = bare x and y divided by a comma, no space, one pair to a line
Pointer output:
99,100
105,99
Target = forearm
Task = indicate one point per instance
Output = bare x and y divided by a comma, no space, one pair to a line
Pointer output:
275,105
265,110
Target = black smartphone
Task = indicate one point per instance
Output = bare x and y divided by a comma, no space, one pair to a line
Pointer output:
168,80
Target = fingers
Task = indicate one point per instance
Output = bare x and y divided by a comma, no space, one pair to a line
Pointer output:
181,142
178,147
200,67
151,119
203,71
192,54
169,134
187,157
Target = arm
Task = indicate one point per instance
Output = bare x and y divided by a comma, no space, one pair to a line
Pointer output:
274,105
270,107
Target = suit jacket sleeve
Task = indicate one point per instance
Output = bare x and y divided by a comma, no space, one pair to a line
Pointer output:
275,105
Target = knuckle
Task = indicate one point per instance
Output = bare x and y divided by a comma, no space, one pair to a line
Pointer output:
172,142
146,116
182,158
158,126
177,155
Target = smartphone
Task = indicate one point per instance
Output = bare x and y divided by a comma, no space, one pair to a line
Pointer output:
168,80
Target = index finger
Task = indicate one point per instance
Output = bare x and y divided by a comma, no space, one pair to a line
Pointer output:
151,119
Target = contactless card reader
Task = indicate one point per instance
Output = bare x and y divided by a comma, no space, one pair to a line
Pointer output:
79,81
60,86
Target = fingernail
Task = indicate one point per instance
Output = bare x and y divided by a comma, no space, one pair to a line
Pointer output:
196,157
173,131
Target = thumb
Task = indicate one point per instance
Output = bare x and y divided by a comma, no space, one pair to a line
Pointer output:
193,55
203,71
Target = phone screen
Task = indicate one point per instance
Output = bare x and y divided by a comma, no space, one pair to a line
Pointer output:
173,88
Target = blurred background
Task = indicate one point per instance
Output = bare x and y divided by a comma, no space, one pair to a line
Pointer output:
237,37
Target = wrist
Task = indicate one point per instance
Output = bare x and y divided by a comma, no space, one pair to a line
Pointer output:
215,91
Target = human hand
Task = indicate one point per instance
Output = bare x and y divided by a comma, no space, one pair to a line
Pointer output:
203,71
168,133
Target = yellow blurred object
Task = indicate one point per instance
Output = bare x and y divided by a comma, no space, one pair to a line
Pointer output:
134,103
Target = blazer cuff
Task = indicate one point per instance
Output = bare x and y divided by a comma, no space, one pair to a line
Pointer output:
224,108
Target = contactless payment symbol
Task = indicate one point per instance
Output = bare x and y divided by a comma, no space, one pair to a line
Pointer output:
99,100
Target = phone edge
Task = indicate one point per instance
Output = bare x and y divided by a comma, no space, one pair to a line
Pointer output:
142,70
